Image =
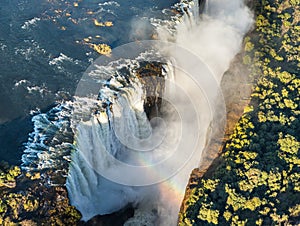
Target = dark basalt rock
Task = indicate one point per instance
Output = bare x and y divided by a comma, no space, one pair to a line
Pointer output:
201,5
152,78
115,219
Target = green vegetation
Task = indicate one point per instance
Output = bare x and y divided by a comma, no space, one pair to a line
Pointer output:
8,175
258,179
25,200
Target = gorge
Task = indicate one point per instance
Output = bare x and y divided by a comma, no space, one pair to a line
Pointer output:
214,38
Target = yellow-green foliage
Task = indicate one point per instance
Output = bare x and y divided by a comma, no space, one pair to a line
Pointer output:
208,214
24,207
17,203
8,175
258,181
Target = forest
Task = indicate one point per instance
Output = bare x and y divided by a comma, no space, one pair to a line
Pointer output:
257,180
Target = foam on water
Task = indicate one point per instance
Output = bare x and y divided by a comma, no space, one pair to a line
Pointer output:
2,46
30,23
60,61
33,49
90,192
23,81
51,142
215,39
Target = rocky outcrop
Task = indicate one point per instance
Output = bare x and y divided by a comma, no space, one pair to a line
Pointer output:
115,219
152,79
201,5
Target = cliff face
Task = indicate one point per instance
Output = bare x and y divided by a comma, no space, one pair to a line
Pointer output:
236,86
255,180
201,5
151,76
29,199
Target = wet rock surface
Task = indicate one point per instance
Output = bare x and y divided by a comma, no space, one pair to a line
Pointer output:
40,198
151,76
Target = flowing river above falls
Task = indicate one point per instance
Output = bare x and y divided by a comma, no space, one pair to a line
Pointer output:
140,118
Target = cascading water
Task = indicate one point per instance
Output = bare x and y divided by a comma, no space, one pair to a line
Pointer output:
116,147
90,191
121,99
50,144
98,183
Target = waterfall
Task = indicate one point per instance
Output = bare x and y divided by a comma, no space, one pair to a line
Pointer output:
121,156
90,192
50,144
99,182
